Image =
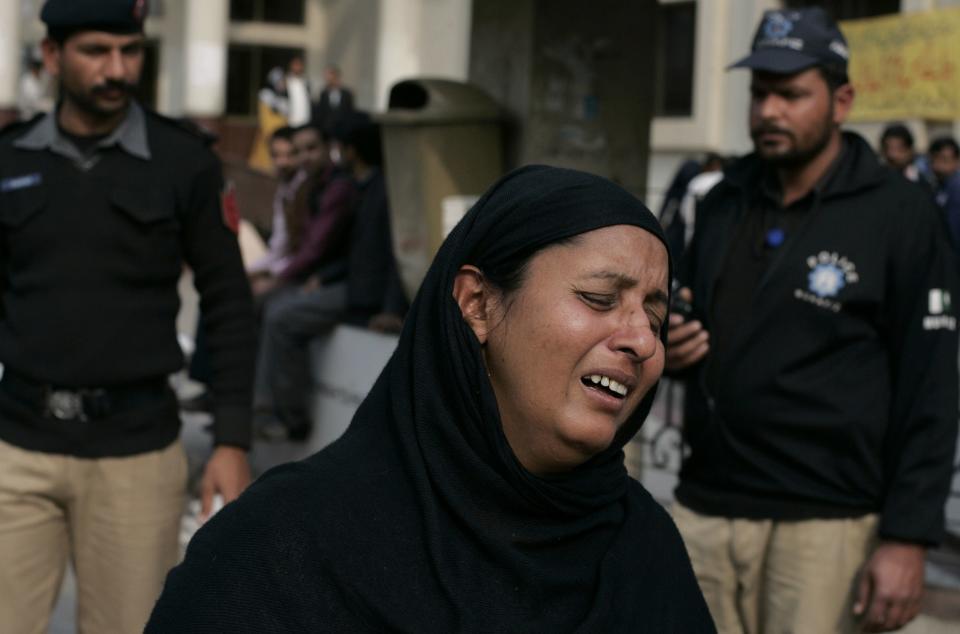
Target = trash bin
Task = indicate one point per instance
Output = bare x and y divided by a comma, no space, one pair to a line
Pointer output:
443,149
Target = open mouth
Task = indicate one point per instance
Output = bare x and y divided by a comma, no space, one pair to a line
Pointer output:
606,385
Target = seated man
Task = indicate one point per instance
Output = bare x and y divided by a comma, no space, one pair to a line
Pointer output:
285,236
372,294
331,200
285,230
314,277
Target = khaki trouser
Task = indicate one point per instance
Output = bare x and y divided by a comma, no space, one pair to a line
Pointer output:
117,518
771,577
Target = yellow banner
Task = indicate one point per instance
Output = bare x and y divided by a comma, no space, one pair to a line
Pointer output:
905,66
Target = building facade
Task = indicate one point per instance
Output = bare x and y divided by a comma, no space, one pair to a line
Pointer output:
701,107
208,58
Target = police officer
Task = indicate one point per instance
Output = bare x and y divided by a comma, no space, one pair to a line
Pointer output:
101,204
821,408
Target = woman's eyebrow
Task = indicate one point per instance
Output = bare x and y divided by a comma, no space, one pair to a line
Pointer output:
621,280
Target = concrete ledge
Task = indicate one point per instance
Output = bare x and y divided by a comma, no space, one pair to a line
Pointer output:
345,364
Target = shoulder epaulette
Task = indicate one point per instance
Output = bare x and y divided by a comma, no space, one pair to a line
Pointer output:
14,126
207,137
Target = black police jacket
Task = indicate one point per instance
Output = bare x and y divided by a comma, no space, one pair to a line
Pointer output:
90,257
837,396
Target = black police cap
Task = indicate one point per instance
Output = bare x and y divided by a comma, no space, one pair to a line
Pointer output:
790,41
116,16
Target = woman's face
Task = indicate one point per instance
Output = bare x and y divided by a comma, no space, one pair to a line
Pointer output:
573,351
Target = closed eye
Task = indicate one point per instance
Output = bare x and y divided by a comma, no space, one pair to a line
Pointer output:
599,301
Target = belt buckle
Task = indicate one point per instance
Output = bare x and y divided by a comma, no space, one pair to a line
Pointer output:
66,405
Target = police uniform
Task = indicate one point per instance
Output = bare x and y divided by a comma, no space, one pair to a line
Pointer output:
94,234
824,417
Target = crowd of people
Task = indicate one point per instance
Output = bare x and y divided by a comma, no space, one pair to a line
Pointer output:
329,260
802,293
333,263
286,100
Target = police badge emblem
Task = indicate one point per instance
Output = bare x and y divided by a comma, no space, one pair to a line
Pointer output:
829,274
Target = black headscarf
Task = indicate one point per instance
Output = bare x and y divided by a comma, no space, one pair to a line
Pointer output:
420,518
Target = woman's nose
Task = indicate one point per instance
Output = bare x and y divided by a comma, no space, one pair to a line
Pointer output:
635,337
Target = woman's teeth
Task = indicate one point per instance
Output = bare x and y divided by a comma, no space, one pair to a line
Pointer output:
610,384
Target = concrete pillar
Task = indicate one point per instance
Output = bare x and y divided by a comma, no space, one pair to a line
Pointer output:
170,84
316,21
422,38
10,58
205,59
350,39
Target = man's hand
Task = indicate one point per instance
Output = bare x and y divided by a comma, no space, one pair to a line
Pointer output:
263,283
687,341
227,473
313,283
890,587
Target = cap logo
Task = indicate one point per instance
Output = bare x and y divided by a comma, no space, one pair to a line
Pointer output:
840,49
775,33
777,26
139,10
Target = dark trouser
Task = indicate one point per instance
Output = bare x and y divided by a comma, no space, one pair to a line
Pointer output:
290,321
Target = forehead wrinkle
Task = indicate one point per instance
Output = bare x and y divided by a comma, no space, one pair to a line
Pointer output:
656,298
620,279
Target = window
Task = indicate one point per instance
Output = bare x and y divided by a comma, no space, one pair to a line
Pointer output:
276,11
247,68
676,47
849,9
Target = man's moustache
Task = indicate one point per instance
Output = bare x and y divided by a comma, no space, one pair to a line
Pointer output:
769,129
114,85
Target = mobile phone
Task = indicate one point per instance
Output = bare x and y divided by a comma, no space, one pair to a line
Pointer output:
679,306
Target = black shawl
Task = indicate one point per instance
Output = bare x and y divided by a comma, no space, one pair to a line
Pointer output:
420,518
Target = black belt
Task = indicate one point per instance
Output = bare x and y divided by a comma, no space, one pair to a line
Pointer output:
81,404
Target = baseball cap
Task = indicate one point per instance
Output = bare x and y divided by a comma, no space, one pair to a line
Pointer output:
790,41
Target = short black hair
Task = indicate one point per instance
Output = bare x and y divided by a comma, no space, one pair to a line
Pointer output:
367,142
345,125
59,34
834,74
323,134
284,133
897,131
945,143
